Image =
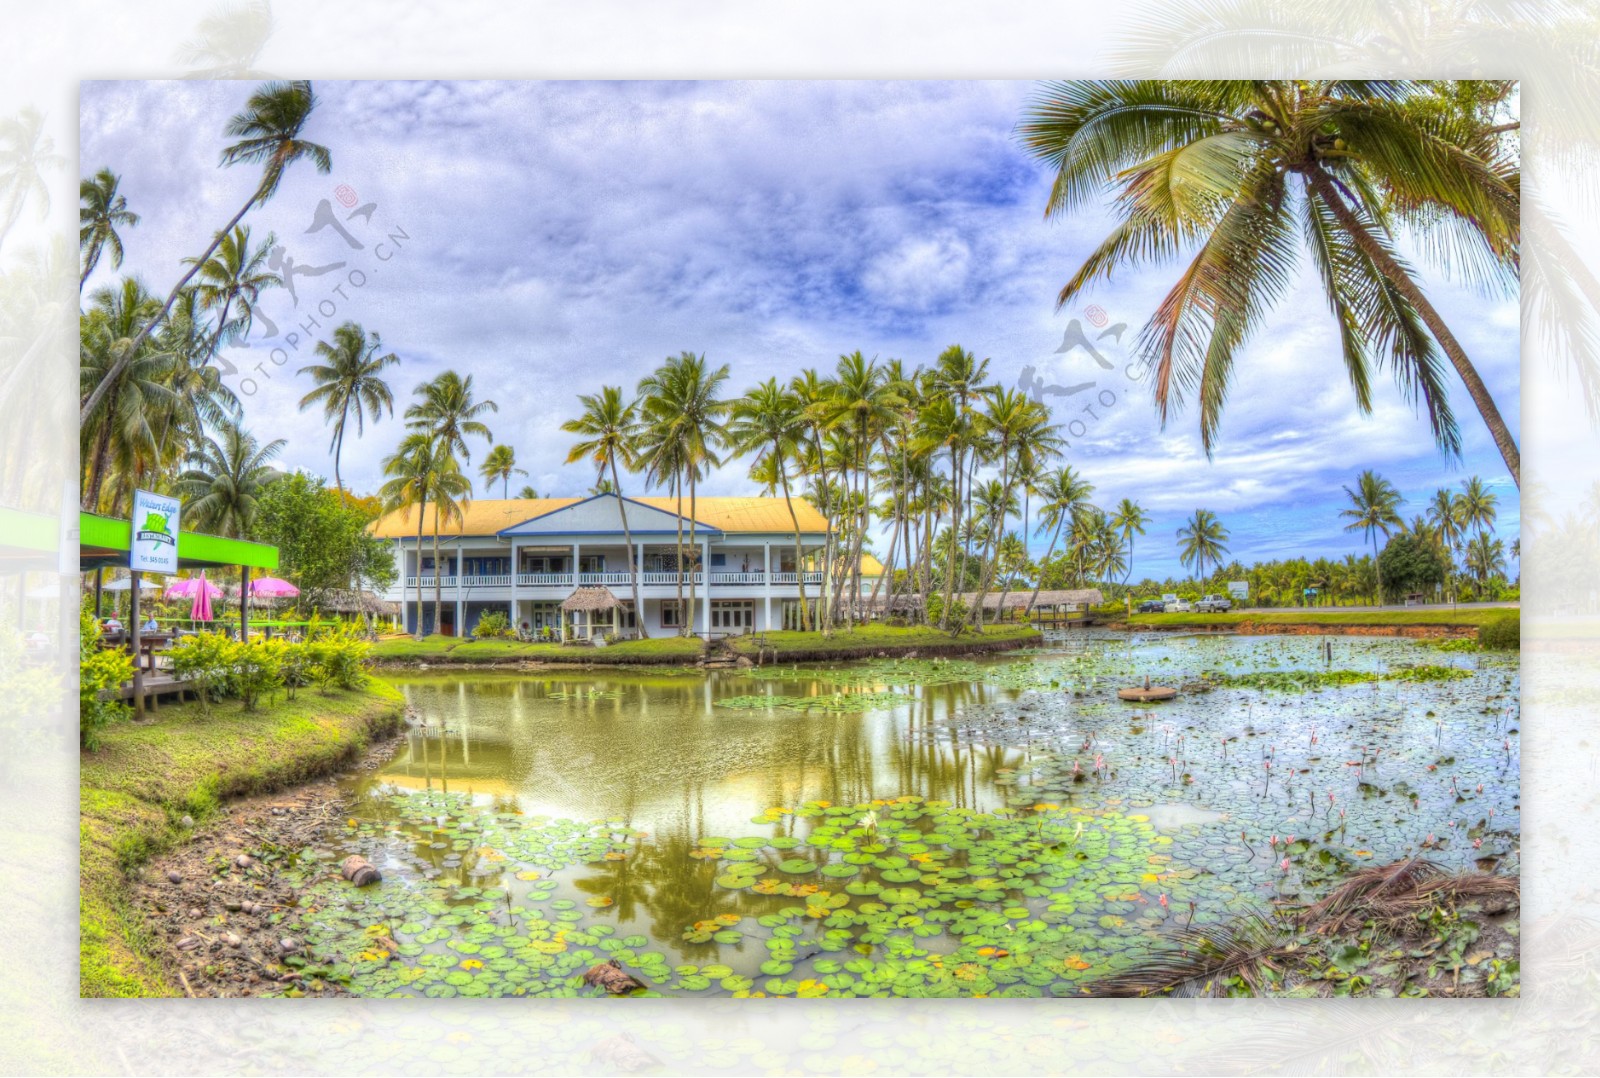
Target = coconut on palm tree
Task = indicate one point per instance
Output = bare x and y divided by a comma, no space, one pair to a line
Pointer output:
501,464
349,383
102,209
1374,507
1244,173
608,429
268,131
1202,541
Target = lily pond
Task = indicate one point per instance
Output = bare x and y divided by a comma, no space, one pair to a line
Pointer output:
1000,826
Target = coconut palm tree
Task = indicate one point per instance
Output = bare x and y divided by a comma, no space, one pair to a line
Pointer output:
1486,559
123,425
1129,519
608,429
1017,427
447,411
1063,496
1242,172
1374,507
1202,541
1476,505
27,152
683,419
230,282
863,404
1444,513
350,384
269,132
101,211
527,492
770,420
422,471
226,476
501,464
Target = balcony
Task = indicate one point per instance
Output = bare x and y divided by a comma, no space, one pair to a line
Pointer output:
610,579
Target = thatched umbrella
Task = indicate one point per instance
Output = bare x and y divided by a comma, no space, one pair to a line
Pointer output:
591,600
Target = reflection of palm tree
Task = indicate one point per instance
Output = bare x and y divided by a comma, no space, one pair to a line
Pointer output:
26,153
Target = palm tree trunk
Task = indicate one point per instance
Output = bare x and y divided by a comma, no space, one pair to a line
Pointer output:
677,558
955,531
1039,580
799,553
172,297
338,449
1408,288
438,578
705,568
422,509
627,537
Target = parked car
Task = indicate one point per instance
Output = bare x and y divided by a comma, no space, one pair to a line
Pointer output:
1214,604
1152,606
1180,606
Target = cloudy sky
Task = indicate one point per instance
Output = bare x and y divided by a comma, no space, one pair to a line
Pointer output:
552,238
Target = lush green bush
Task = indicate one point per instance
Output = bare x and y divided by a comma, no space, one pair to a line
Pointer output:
258,669
492,625
206,661
1504,633
98,669
339,657
935,608
334,656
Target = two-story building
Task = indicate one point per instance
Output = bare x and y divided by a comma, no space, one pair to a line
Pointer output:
527,556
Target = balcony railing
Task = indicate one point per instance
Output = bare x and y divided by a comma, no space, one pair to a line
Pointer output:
610,578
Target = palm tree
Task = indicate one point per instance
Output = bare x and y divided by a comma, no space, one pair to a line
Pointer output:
1063,495
421,471
1202,541
683,417
268,131
863,404
527,492
771,420
608,429
1486,559
1018,427
1129,519
447,412
1229,166
122,424
101,211
26,153
501,464
226,476
1444,513
1476,505
1374,507
351,378
960,376
231,280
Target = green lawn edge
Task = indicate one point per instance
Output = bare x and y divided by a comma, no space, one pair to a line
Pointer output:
1427,616
145,777
407,650
869,641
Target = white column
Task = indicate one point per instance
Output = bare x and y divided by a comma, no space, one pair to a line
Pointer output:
461,611
766,583
516,611
705,588
576,549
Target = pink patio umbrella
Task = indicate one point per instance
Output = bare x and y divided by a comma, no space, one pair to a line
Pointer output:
191,588
202,598
270,587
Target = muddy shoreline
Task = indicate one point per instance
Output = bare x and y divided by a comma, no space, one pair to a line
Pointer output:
213,905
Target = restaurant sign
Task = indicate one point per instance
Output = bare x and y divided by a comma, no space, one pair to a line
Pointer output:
154,548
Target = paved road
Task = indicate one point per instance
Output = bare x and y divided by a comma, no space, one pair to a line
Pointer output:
1370,609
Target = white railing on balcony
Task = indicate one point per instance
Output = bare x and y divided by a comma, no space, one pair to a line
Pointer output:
545,580
812,577
486,580
755,577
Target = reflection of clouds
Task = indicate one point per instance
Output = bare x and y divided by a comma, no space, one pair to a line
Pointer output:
228,40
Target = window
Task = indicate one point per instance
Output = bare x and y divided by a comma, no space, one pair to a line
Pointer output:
719,561
733,614
669,615
591,563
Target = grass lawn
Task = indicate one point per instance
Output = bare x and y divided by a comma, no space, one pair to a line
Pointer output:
870,639
183,761
1419,616
453,649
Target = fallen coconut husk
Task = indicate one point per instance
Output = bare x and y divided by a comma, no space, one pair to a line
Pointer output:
359,871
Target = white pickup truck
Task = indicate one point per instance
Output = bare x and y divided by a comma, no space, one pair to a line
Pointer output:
1214,604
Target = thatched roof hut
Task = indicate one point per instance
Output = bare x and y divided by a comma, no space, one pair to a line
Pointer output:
342,601
1019,600
592,599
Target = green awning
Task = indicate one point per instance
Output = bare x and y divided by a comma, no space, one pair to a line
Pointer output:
104,542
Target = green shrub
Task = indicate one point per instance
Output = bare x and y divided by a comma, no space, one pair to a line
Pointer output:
257,670
295,665
98,669
208,662
492,625
339,658
1502,633
935,608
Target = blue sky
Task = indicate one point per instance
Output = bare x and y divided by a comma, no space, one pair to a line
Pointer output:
551,238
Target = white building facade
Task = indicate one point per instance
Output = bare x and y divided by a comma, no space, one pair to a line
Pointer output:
524,557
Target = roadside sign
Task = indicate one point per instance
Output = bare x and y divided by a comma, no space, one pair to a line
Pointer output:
1239,589
154,548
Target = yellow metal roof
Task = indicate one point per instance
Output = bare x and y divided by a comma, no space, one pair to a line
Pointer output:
490,516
